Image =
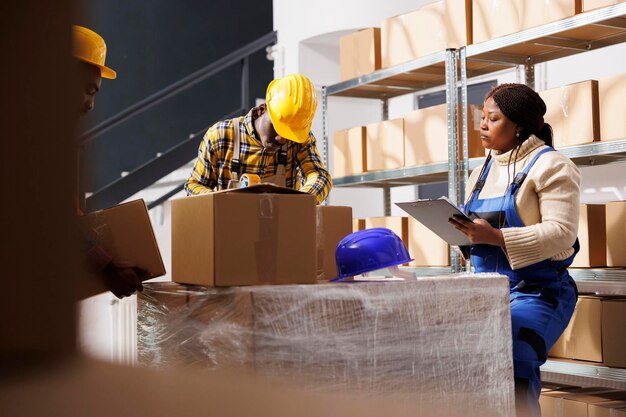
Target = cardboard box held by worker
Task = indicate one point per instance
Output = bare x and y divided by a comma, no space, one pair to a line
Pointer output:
262,234
124,232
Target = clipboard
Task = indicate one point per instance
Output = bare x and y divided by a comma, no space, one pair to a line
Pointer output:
434,214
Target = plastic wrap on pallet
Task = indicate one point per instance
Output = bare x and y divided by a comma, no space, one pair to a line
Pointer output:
441,339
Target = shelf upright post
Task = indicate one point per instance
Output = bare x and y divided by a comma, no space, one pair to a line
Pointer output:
529,73
325,145
463,173
453,142
384,114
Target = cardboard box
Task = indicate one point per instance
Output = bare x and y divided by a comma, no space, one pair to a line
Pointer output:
263,234
495,18
591,236
385,145
433,28
613,335
426,135
333,224
349,152
425,247
399,225
359,53
612,98
358,224
577,404
616,234
595,4
608,409
552,404
582,339
124,232
573,113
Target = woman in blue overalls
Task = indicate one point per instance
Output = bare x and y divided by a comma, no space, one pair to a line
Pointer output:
526,197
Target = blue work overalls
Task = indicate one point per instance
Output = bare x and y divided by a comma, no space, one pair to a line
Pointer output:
542,295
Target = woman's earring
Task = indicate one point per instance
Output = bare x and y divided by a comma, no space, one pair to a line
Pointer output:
517,134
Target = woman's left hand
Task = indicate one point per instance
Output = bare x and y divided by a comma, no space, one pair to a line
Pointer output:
478,231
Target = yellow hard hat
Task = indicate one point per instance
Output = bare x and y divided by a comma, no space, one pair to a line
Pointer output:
89,47
292,102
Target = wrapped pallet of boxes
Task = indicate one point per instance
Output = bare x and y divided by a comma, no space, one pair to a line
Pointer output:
349,157
385,145
426,135
433,28
612,98
333,223
572,111
495,18
262,234
359,53
421,340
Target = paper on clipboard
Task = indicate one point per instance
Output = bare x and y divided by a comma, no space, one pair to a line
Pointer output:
434,214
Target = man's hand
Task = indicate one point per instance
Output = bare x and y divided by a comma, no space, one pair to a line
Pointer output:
479,231
123,279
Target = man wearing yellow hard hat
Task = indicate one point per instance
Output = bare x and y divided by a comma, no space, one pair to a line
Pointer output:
272,143
90,50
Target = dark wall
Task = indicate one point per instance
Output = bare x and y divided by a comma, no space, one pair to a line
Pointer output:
154,43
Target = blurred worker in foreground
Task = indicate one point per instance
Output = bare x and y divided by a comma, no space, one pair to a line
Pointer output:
272,143
90,50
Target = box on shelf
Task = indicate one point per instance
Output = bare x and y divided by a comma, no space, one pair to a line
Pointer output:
333,224
576,404
572,111
358,224
608,409
433,28
398,225
613,335
385,145
552,402
425,247
359,53
616,234
426,135
496,18
612,98
582,339
591,236
125,233
262,234
349,152
596,4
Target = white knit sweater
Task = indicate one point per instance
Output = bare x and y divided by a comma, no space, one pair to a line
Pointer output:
548,203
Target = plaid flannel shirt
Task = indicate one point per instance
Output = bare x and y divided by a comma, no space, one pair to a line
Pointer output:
304,171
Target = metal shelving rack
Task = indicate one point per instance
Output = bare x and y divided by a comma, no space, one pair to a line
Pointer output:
583,32
452,68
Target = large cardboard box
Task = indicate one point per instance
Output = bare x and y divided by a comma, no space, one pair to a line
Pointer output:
263,234
333,224
349,152
433,28
496,18
426,135
359,53
595,4
576,404
616,233
573,113
592,237
358,224
612,98
608,409
582,339
385,145
398,225
425,247
613,335
124,232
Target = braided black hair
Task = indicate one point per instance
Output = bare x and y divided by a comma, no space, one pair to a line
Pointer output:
524,107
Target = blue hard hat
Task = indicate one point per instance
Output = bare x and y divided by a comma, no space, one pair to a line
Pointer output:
368,250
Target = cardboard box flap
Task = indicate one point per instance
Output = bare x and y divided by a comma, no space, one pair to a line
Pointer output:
263,188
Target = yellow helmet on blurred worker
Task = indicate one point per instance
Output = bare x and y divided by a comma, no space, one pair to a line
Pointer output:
89,47
292,102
